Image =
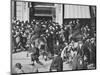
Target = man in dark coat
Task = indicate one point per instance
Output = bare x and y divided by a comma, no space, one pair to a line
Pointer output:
57,63
24,41
78,62
35,56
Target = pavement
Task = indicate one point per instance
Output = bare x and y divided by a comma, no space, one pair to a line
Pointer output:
21,57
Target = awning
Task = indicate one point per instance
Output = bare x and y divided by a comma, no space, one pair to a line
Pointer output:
76,11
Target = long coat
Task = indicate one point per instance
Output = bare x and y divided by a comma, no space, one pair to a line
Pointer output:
77,63
35,54
57,64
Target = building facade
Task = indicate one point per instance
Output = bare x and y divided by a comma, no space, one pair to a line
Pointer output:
60,13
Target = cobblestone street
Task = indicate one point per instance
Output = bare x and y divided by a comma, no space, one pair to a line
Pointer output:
22,58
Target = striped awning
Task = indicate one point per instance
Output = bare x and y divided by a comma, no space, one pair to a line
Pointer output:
76,11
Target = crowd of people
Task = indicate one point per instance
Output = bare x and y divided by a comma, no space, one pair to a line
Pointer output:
72,42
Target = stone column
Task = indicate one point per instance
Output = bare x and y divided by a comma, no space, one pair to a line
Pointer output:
22,12
25,11
12,9
59,13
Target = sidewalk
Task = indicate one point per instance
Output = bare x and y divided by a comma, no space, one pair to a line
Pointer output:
22,58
